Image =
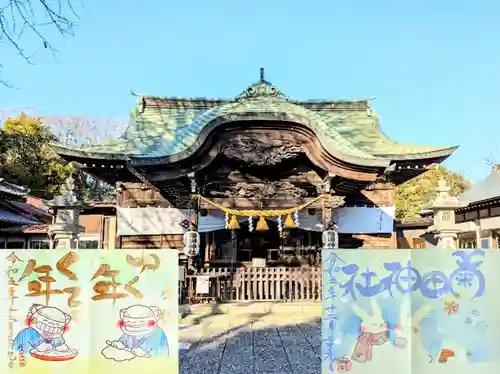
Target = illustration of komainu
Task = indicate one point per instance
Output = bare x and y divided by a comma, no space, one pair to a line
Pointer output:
409,329
374,332
142,335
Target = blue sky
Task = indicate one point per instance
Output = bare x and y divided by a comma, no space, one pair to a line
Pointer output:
434,66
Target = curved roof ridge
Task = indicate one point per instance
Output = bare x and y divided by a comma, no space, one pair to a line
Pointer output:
264,104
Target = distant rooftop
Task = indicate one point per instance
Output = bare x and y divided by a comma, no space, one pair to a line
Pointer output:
487,189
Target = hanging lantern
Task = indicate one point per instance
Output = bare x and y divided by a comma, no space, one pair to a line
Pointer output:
280,224
191,242
226,220
330,239
296,218
250,224
289,223
262,224
233,224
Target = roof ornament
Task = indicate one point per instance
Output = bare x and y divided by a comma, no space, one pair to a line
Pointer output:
261,89
444,199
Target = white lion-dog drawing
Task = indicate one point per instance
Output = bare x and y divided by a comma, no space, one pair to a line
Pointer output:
460,355
374,332
409,329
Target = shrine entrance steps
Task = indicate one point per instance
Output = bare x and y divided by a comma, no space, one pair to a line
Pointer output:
245,310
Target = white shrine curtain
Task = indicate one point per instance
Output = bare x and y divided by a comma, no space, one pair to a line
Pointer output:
162,221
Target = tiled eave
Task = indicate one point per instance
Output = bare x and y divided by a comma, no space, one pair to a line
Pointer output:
479,204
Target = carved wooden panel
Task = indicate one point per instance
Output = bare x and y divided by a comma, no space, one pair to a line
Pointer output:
256,152
264,190
136,194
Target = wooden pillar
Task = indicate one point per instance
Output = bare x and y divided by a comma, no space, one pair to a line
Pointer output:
209,246
327,212
193,220
326,189
194,204
234,241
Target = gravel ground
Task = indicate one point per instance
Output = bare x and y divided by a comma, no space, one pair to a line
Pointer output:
262,346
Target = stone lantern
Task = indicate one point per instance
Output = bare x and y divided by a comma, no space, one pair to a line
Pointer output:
65,229
443,207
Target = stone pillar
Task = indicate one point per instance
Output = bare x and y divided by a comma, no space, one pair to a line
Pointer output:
65,229
443,207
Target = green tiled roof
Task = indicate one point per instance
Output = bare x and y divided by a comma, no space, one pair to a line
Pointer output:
162,127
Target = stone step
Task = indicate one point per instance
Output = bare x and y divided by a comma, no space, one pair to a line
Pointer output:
242,309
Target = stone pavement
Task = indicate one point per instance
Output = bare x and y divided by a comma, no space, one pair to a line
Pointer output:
253,340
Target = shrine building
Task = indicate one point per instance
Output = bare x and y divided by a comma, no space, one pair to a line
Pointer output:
259,176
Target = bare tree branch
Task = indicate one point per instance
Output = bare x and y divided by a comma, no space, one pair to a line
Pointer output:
83,131
491,162
34,18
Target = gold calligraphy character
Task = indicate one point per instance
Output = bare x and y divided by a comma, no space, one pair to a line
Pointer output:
35,287
107,290
143,262
151,262
62,266
12,258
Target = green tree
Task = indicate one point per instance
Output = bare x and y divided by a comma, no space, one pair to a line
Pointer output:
26,157
414,195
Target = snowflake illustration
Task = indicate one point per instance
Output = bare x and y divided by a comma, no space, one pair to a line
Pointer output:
451,307
465,278
469,320
476,313
481,326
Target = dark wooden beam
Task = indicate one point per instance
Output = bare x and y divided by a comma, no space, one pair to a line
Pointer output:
244,203
295,179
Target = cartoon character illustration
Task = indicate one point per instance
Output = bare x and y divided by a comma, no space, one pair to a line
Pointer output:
409,329
44,336
374,331
142,335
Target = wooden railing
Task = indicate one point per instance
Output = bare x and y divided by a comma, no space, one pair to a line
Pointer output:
253,284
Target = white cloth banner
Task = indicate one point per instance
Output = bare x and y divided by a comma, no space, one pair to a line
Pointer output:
365,220
350,220
202,285
152,221
164,221
213,221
